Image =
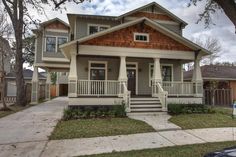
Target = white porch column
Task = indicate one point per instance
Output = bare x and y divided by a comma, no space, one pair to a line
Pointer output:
122,73
157,70
73,77
197,79
48,86
156,78
35,87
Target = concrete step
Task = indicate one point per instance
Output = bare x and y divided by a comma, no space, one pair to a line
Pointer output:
145,102
146,109
143,99
145,113
146,106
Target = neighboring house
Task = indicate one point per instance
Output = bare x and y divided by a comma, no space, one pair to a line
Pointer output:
11,81
218,77
136,57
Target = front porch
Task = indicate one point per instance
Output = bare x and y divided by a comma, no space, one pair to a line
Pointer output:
104,80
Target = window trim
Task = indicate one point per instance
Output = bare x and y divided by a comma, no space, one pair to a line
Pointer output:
144,34
152,64
98,62
98,25
53,36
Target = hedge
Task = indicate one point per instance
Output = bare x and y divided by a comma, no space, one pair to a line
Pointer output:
87,112
175,109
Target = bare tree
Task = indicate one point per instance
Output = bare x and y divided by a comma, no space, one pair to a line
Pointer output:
228,6
5,52
18,11
211,44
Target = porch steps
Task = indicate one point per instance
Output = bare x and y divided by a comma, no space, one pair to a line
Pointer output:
145,106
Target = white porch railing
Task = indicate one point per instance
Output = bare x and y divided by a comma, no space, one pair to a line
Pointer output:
98,87
183,88
158,91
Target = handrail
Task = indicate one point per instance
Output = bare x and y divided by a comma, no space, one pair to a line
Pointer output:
158,91
126,97
162,96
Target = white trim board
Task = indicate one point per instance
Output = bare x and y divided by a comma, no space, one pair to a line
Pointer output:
135,52
55,59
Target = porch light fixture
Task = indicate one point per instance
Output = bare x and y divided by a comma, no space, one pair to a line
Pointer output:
86,69
139,70
109,69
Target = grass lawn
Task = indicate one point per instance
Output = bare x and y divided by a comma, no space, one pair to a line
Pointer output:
98,127
197,150
222,118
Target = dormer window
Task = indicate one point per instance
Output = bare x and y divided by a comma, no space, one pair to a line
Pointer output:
141,37
53,43
93,28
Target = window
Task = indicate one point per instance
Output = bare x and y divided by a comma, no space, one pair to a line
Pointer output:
53,43
96,28
97,70
166,71
141,37
60,41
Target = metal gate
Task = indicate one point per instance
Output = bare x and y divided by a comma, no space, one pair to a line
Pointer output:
218,97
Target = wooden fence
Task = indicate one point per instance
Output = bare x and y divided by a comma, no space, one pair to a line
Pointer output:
218,97
12,99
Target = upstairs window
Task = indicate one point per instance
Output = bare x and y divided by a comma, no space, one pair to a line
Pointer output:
96,28
53,43
141,37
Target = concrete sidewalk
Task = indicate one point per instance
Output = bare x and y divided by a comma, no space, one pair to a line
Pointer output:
25,133
87,146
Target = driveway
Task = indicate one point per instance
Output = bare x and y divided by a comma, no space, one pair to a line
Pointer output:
26,133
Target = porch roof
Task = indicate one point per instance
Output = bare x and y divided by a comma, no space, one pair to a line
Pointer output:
66,47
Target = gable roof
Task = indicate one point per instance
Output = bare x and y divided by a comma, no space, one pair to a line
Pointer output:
147,21
129,13
158,6
214,72
53,20
27,73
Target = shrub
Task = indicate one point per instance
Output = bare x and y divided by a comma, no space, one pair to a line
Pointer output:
176,109
86,112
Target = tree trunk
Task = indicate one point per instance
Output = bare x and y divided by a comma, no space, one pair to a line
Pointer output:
229,8
20,83
18,28
3,93
2,77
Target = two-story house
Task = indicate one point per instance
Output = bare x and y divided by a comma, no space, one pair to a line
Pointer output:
136,58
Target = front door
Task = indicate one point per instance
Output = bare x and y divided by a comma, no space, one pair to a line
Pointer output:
131,74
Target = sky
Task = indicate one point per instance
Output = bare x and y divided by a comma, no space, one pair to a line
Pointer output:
223,29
